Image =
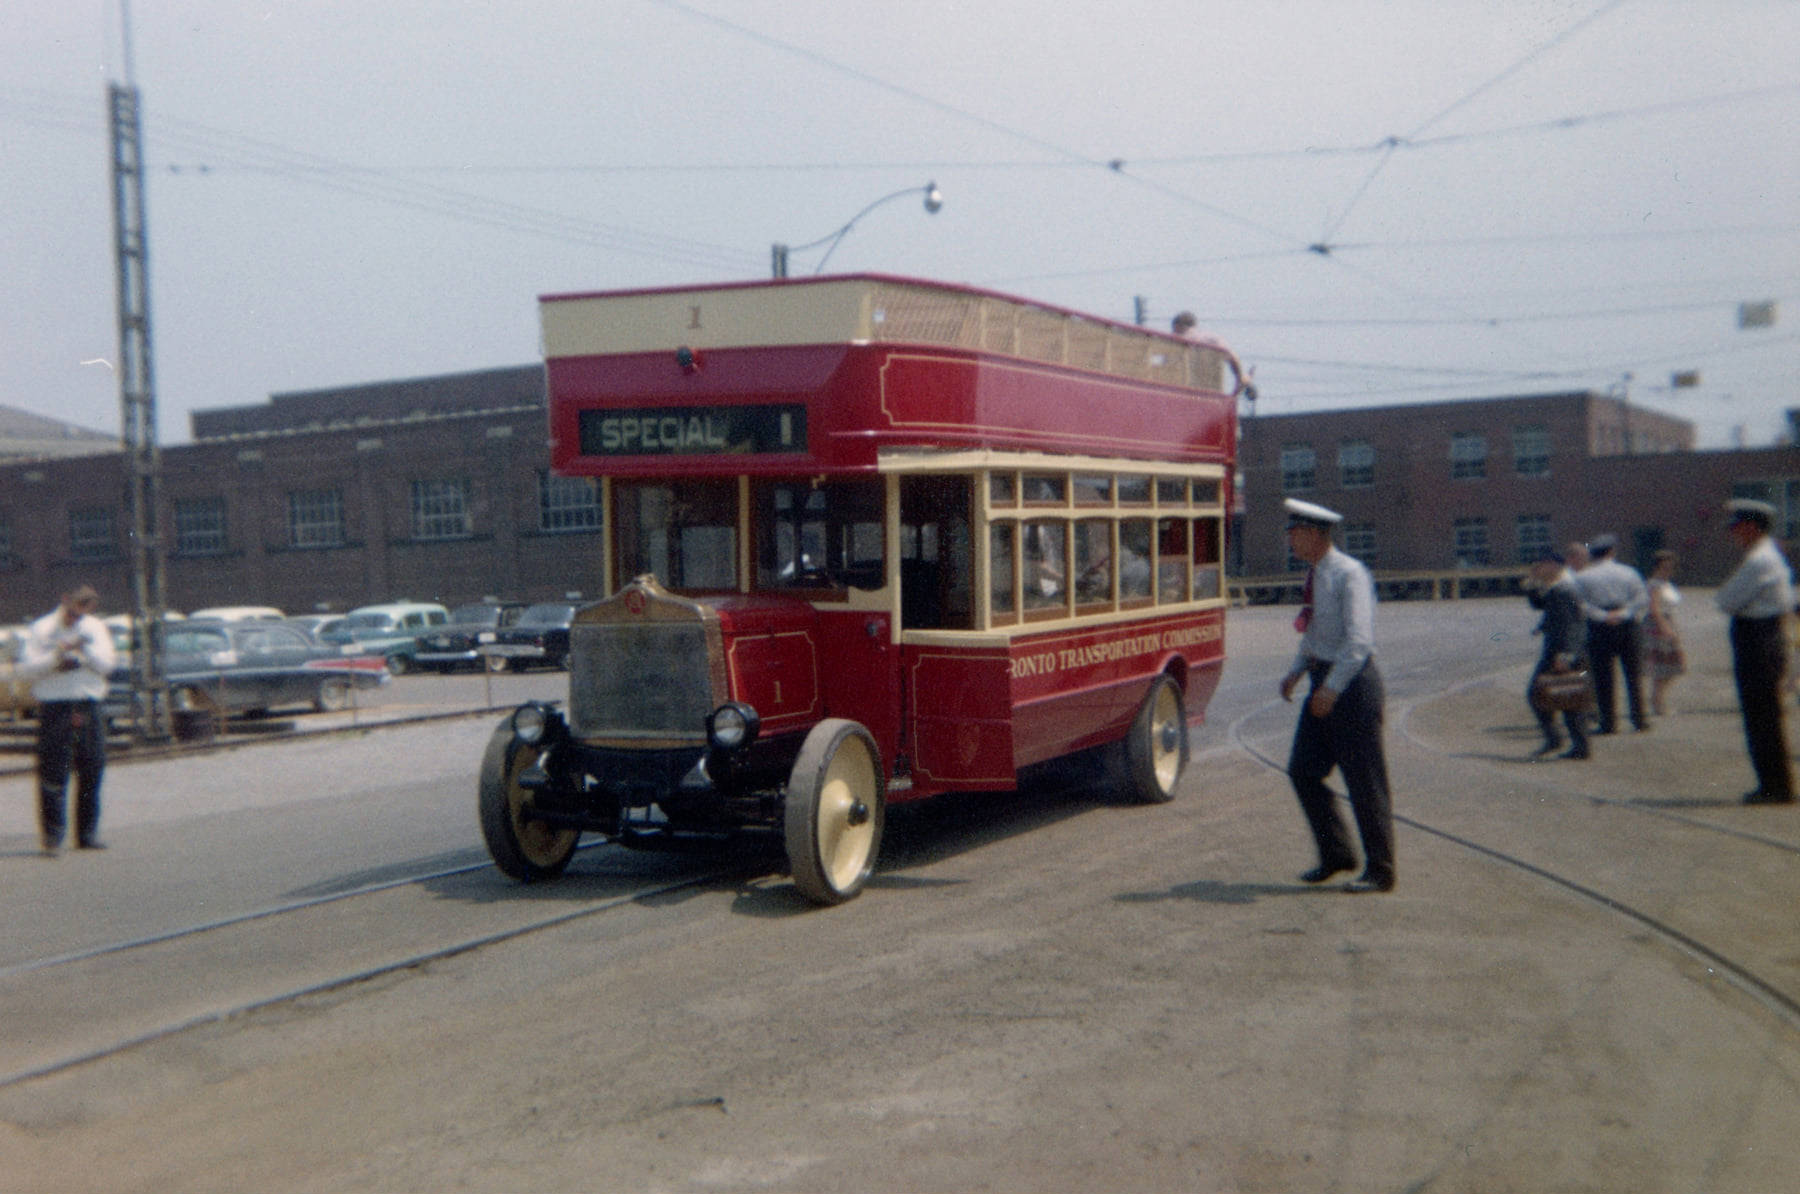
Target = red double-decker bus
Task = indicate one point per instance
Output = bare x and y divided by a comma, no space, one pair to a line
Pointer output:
867,539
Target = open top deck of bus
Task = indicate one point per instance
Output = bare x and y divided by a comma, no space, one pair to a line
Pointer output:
870,309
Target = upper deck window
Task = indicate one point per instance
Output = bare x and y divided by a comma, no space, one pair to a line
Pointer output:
1134,491
1093,489
1171,491
685,532
1046,489
1003,489
826,536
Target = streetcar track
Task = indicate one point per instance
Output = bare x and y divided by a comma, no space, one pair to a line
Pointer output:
1738,974
366,974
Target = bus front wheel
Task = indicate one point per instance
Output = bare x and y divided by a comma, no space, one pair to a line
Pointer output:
1156,750
834,811
522,847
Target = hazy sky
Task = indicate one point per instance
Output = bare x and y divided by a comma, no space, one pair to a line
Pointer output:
1373,201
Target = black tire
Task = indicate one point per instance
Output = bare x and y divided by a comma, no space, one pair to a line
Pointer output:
523,849
834,812
1155,753
334,695
399,665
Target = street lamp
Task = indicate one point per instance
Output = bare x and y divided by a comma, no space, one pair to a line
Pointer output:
778,253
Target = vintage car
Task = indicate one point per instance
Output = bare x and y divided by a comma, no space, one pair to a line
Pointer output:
540,638
315,626
229,668
463,640
390,630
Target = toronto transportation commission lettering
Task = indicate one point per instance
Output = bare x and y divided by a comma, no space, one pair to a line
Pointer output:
1113,650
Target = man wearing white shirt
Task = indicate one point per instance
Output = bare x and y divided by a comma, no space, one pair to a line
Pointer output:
1759,596
70,653
1341,723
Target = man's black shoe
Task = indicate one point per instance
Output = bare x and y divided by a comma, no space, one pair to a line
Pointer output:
1574,752
91,844
1370,883
1326,870
1761,797
1550,747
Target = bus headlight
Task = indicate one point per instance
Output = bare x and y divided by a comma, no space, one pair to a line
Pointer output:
732,726
529,723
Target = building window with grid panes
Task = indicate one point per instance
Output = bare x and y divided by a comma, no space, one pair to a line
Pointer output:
1531,450
1299,467
91,535
1471,542
1468,456
316,518
1533,534
200,527
1356,464
1359,541
568,503
440,509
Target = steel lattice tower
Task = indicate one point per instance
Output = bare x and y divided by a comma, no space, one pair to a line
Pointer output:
137,402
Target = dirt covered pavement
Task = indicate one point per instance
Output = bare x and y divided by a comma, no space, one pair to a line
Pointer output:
1056,993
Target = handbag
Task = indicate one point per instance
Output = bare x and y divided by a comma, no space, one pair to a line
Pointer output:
1563,692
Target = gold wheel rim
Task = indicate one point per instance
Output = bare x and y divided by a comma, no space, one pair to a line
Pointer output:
846,841
541,844
1165,738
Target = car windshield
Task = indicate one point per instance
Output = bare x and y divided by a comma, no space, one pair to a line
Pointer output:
483,614
547,615
195,642
368,625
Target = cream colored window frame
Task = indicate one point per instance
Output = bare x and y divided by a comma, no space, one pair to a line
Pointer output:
980,465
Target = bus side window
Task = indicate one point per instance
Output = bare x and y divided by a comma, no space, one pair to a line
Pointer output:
937,565
1171,560
1002,603
1206,558
1045,567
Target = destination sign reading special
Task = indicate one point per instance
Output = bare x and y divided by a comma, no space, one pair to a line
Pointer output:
693,430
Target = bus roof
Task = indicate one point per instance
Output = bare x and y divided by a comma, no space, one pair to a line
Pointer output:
869,309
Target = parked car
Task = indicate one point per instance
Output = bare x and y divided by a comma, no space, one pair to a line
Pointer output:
315,626
251,667
240,613
540,638
460,641
390,630
15,688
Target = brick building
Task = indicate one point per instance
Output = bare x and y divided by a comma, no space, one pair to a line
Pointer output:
1493,482
430,489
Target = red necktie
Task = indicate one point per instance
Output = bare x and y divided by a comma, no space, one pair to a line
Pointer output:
1305,618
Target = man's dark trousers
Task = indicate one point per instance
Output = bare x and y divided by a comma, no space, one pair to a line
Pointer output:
1758,662
1348,738
70,731
1624,642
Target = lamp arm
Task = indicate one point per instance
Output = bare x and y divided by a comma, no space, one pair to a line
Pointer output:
833,238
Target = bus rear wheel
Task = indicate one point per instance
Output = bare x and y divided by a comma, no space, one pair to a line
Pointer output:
834,812
1156,750
522,847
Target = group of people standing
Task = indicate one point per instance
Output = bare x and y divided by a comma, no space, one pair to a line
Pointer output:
1602,615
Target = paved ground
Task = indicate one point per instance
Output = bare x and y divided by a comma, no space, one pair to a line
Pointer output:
1054,994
